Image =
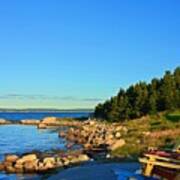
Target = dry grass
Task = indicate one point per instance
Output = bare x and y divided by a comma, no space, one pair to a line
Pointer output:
150,131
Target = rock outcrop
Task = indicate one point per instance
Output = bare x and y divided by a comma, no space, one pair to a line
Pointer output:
54,121
30,122
4,121
96,135
50,121
31,163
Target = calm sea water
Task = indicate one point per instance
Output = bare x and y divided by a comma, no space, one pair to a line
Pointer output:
21,139
16,116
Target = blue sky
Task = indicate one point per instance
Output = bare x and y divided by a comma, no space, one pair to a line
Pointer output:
74,54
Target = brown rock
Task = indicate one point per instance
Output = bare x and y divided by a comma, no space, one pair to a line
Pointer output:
6,164
10,169
118,135
87,146
31,166
11,158
81,140
74,160
29,157
66,161
30,121
71,137
117,144
91,122
146,133
19,169
125,129
83,157
42,126
49,120
49,165
2,167
51,160
119,128
110,142
109,137
62,134
18,166
41,167
4,121
59,162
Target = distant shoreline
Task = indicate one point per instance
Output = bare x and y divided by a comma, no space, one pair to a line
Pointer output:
46,110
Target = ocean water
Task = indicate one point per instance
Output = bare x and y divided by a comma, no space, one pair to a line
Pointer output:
20,139
16,116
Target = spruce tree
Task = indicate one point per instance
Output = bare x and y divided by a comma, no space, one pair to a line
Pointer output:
142,99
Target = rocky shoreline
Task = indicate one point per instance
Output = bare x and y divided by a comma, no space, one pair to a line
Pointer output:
95,135
92,135
39,163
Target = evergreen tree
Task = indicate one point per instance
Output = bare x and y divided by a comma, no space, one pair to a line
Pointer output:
167,91
152,100
123,105
142,99
177,82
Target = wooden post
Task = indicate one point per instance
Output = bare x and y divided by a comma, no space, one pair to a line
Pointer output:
149,167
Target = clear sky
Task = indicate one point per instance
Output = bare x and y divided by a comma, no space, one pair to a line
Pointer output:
76,53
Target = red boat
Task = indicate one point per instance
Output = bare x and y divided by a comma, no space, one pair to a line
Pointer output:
162,164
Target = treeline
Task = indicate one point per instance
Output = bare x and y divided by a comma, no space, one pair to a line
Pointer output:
143,99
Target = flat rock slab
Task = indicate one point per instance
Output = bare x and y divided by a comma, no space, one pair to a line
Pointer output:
95,172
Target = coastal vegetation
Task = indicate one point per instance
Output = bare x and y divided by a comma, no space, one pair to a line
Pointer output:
149,111
160,131
143,99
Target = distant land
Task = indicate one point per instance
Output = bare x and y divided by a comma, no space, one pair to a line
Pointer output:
45,110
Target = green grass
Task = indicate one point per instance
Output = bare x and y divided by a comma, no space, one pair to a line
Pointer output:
174,116
128,151
137,142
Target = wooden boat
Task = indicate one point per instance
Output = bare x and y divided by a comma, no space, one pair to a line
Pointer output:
163,164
